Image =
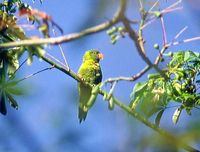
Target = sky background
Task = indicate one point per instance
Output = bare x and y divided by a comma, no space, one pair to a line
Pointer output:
47,117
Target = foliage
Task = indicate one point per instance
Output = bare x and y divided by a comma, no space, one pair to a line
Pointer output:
181,86
10,58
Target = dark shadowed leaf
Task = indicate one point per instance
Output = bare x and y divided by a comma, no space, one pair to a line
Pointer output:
3,104
158,117
13,102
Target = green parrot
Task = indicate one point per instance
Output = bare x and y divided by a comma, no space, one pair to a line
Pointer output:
90,72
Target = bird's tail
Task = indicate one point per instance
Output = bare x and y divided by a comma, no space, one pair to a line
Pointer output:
82,113
85,93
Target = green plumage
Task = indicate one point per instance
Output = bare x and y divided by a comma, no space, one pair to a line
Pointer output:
90,72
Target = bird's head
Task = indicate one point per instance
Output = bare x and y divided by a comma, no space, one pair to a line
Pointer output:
93,55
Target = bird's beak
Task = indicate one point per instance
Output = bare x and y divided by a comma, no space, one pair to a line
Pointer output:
100,56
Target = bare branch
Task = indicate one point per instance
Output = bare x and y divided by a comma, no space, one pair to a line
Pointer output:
134,36
181,32
132,78
51,56
45,69
67,38
184,41
61,50
163,31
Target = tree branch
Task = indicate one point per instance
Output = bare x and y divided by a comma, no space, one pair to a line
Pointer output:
67,38
134,36
67,71
132,78
162,132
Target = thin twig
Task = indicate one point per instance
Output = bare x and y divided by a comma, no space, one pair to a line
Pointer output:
173,5
51,56
184,41
159,57
181,32
156,2
133,35
169,9
167,45
132,78
20,66
140,3
163,31
62,52
110,93
140,32
69,72
49,68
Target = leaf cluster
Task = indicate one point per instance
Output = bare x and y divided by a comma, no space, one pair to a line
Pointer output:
181,86
10,57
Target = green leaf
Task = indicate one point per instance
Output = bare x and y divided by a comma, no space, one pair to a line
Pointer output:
134,103
3,104
176,115
152,110
158,117
138,90
13,102
15,91
154,76
139,87
187,56
10,84
93,96
111,103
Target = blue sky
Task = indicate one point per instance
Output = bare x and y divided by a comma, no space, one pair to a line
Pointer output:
47,118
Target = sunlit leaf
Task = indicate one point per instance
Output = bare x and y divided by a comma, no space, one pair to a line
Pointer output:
111,103
186,56
139,87
176,115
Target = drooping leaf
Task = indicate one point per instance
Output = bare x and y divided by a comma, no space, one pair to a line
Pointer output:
3,109
138,89
111,103
158,117
12,101
176,115
93,96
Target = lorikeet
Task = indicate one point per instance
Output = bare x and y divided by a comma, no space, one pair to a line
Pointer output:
90,72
